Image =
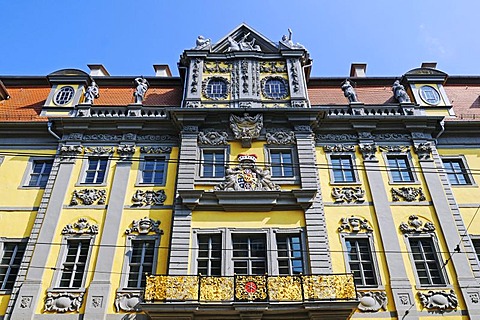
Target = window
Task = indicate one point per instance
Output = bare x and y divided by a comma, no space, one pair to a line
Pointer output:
342,169
275,88
40,172
430,95
282,163
249,254
476,246
209,261
426,261
290,254
96,170
74,265
360,261
457,171
64,95
213,163
141,261
10,263
400,169
216,89
153,170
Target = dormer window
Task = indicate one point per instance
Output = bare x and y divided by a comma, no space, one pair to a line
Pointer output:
216,88
64,95
274,88
430,95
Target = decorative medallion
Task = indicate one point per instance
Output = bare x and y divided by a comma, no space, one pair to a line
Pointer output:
250,288
82,226
354,224
423,150
148,198
63,302
348,194
339,148
368,151
213,138
408,194
280,137
88,197
372,301
126,150
416,225
155,150
246,128
247,176
144,226
98,151
438,300
394,148
128,301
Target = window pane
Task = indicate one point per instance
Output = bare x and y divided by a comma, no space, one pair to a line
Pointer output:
10,263
73,268
213,163
360,261
342,167
141,261
426,261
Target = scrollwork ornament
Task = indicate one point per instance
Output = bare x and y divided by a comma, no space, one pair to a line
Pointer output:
423,150
372,301
395,148
82,226
70,151
126,150
98,151
348,194
354,224
280,137
416,225
336,137
392,136
213,138
155,149
339,148
148,198
144,226
368,151
88,197
102,137
63,302
439,300
408,194
128,301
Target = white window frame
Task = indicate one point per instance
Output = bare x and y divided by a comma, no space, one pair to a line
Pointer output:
143,159
29,170
4,240
467,174
85,165
356,178
199,170
295,178
473,239
411,168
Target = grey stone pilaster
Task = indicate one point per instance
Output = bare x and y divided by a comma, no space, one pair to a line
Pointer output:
38,248
316,229
453,229
182,216
101,286
403,296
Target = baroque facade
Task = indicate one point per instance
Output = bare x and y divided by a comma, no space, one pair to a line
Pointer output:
242,189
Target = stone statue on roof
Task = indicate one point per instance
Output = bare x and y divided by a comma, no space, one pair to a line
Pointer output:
349,91
141,89
399,92
287,41
91,93
203,43
243,44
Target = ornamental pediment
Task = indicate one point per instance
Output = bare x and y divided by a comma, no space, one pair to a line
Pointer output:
244,39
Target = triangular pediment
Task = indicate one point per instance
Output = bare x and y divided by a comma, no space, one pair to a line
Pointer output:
244,38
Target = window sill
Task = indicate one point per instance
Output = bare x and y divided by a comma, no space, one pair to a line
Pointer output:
69,290
467,185
149,184
30,188
416,183
82,184
434,287
355,183
5,292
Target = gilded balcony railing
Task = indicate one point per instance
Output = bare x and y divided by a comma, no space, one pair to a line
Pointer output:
250,288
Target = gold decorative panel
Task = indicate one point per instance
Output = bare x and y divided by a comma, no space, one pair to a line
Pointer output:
329,287
287,288
171,288
251,288
216,288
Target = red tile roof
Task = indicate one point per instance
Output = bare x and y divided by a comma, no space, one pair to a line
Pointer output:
334,95
465,100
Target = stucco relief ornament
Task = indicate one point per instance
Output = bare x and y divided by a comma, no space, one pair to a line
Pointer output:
148,198
126,150
339,148
368,151
394,148
423,150
203,43
128,301
142,86
91,93
88,197
63,301
349,91
354,224
99,150
247,176
243,44
348,194
439,300
82,226
416,225
372,301
155,150
336,137
212,137
400,93
144,226
281,137
70,151
408,194
246,128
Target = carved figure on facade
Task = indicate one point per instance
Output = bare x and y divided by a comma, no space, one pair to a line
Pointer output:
243,44
348,194
70,151
400,93
88,197
99,151
128,301
148,198
246,128
408,194
368,151
372,301
203,43
126,150
349,91
195,75
354,224
394,148
63,301
144,226
82,226
213,138
439,300
423,150
156,150
280,137
416,225
287,41
91,93
247,176
142,86
339,148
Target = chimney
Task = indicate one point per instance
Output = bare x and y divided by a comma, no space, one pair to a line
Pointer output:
162,70
358,70
98,70
432,65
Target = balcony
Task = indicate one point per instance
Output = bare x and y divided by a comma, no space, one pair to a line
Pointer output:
259,297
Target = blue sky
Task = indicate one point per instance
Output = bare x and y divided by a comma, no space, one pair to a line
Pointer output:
128,37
